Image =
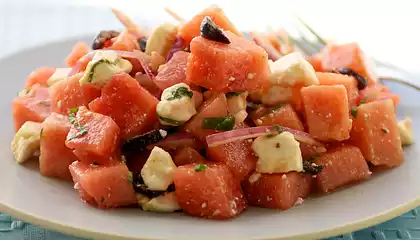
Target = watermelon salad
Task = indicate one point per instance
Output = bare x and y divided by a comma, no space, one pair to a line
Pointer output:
197,117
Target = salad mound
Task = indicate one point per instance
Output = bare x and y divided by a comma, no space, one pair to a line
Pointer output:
200,118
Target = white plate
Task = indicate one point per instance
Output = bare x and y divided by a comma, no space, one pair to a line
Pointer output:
56,205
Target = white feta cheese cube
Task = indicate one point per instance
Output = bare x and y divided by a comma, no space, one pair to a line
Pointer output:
157,172
176,105
163,203
103,66
26,142
60,74
292,70
406,131
237,106
277,154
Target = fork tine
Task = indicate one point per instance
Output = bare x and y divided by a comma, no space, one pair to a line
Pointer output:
302,47
319,38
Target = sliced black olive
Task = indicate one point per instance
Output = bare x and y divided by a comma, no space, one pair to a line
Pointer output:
361,81
102,37
140,187
211,31
142,43
312,168
140,142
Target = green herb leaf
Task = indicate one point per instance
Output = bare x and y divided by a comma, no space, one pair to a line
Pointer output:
130,177
219,123
363,101
385,130
278,128
232,94
74,109
314,157
312,168
200,167
180,92
171,121
96,64
79,126
354,111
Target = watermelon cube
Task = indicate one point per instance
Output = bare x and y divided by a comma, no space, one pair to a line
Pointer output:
279,190
55,157
238,156
342,165
103,186
69,93
351,56
339,79
93,133
131,106
208,191
174,71
236,67
187,155
32,105
215,106
39,76
375,132
284,116
327,112
191,28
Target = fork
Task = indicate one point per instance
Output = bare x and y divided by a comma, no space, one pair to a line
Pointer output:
309,48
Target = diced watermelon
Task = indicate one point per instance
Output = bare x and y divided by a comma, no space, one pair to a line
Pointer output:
69,94
284,116
327,112
186,156
236,67
34,106
238,156
212,192
105,186
215,106
87,157
351,56
342,165
174,71
191,29
316,62
132,107
39,76
93,133
125,42
376,133
308,150
79,50
55,157
377,92
279,190
336,79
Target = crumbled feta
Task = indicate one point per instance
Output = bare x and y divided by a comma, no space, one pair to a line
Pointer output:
237,106
277,154
141,199
60,74
162,203
103,66
277,94
158,169
291,70
26,142
176,105
406,131
254,177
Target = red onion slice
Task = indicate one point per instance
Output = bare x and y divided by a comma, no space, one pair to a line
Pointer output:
254,132
176,140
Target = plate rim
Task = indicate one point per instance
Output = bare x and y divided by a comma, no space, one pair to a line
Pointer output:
89,233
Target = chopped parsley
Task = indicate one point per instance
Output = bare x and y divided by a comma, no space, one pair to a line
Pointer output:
130,177
180,92
232,94
385,130
314,157
219,123
278,128
354,111
312,168
200,167
363,101
171,121
81,129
